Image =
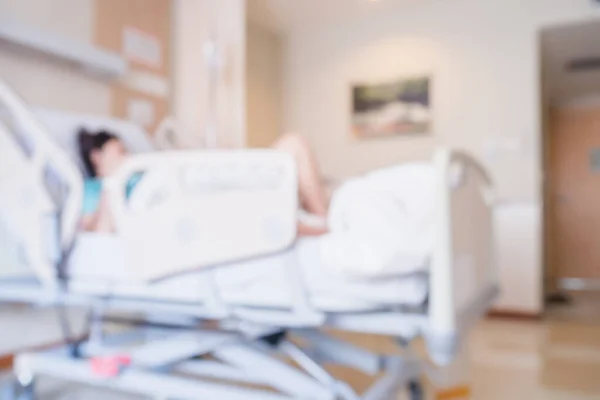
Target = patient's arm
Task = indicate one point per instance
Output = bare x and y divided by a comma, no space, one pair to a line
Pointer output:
87,223
101,221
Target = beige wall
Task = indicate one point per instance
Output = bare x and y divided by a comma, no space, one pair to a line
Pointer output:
264,95
484,60
46,82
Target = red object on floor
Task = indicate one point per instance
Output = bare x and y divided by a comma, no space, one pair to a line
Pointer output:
109,366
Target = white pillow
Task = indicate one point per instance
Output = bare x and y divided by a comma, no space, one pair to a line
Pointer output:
64,127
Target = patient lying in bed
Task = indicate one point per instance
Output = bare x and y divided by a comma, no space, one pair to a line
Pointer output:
103,153
373,224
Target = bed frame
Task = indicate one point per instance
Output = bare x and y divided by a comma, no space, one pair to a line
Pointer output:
166,356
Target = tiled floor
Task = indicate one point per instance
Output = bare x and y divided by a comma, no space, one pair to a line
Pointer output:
581,307
555,359
552,360
558,359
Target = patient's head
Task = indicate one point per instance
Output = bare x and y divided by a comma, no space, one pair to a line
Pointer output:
102,152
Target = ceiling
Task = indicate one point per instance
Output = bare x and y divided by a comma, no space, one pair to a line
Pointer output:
285,15
560,46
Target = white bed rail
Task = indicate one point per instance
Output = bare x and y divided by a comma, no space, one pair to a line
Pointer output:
42,184
204,208
463,278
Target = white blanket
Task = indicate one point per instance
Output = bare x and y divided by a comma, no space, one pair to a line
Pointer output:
99,266
382,224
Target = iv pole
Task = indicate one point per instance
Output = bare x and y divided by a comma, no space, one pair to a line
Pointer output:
214,63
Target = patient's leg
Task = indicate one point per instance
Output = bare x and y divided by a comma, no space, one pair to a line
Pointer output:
312,191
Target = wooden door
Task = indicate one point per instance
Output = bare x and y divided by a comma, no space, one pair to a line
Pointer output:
574,192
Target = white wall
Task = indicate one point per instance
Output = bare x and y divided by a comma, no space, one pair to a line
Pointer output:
484,60
46,82
194,25
71,18
264,93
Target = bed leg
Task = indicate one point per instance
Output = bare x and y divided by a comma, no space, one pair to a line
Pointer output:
415,390
414,386
21,392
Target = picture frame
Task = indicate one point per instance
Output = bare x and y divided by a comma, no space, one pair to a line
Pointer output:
390,109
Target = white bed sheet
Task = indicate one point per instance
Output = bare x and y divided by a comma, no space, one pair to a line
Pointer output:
98,266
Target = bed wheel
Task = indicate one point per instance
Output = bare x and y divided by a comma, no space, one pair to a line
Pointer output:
21,392
275,339
415,390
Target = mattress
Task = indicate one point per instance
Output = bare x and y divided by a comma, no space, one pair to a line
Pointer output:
98,266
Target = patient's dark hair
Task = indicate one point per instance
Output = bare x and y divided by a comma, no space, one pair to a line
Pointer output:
88,142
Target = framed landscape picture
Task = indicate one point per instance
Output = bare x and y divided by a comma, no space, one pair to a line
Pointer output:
390,109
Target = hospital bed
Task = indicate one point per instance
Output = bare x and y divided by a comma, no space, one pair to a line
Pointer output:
211,235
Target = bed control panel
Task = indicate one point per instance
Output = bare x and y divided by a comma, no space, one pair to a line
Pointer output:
207,178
